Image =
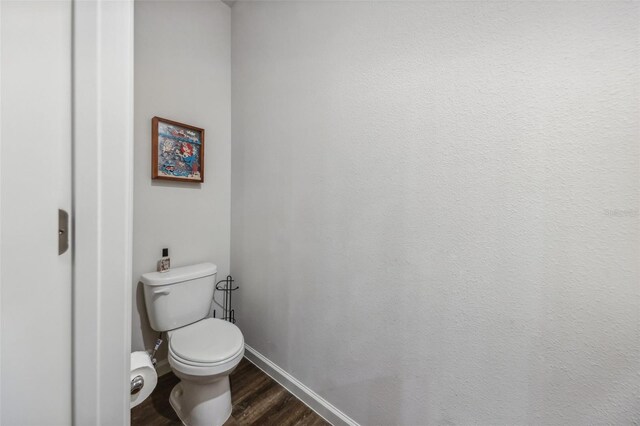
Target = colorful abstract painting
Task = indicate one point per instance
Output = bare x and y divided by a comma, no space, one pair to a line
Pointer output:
178,151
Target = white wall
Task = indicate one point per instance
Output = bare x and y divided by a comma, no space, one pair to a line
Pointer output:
435,206
182,72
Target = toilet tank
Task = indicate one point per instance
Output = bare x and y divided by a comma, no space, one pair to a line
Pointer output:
180,296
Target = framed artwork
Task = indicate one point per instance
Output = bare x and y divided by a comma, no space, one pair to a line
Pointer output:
177,151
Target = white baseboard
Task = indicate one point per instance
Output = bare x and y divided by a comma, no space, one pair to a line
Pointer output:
163,367
299,390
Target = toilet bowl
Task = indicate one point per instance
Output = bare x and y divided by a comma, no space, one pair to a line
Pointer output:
202,355
202,351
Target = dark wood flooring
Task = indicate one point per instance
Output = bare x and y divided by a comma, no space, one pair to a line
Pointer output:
257,400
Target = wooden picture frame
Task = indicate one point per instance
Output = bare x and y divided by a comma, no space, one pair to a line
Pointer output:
177,151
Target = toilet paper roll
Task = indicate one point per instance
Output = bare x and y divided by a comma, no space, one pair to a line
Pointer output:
142,367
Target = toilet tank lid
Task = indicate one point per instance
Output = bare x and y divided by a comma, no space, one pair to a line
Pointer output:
178,275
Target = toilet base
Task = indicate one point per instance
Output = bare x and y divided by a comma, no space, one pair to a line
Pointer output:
202,404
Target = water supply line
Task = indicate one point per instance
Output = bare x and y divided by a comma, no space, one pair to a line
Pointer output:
155,349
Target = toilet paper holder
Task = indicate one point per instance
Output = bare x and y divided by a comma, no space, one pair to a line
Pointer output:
137,384
226,287
143,378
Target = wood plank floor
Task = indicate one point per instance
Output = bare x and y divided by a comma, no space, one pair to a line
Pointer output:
257,400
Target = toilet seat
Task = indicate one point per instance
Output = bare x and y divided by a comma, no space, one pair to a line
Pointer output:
206,347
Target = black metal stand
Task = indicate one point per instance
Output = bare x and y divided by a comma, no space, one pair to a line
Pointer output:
226,286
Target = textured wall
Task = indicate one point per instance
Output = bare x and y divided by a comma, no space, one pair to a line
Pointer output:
435,206
182,72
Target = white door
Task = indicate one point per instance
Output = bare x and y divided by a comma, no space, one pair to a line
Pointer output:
35,181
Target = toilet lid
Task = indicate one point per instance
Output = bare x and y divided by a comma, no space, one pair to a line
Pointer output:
207,341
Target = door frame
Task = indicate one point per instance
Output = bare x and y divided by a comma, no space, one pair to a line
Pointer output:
102,209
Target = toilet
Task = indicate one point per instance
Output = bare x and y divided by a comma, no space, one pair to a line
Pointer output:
203,351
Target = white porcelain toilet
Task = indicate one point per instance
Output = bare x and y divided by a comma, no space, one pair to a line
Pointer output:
202,351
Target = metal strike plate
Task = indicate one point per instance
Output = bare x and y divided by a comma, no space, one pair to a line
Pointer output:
63,231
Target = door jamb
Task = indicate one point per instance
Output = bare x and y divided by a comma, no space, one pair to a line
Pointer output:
102,209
